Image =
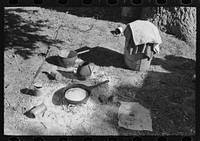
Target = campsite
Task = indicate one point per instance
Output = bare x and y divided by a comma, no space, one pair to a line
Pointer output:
165,90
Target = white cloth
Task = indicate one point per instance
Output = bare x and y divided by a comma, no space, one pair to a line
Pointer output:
133,116
145,32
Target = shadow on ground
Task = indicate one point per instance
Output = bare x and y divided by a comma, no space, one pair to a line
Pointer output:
101,13
54,61
103,57
164,94
21,34
58,96
27,91
49,76
113,14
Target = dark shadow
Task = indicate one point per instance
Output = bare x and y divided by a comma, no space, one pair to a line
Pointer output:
48,75
54,61
101,13
72,75
27,91
113,32
88,139
163,93
21,34
175,63
63,139
104,57
69,75
113,14
58,97
29,114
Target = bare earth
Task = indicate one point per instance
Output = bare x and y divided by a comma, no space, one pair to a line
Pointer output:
162,90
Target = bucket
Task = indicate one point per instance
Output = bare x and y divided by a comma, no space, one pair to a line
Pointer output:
67,58
137,62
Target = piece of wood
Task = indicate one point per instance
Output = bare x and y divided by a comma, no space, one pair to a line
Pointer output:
84,51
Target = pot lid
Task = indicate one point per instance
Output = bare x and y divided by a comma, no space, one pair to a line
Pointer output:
38,84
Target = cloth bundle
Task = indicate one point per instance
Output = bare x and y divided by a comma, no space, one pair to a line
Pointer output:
142,36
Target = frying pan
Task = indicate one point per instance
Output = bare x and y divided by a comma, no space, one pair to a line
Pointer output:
88,89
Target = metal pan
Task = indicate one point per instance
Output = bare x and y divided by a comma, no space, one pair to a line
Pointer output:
87,88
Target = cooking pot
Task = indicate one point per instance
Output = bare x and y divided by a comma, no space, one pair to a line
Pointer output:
68,58
83,71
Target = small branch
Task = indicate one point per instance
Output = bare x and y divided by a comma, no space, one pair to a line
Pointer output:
47,54
7,101
74,27
43,125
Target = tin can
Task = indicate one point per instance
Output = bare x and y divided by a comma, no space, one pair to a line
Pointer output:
119,30
38,111
37,88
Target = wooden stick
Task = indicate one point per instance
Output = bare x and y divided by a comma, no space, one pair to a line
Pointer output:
74,27
47,54
43,125
131,51
84,51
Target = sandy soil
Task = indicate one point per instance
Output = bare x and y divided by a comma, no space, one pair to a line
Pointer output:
163,89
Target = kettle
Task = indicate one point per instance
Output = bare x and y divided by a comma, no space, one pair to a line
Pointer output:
84,70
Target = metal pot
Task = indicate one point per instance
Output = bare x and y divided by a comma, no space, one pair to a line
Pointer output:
84,71
68,58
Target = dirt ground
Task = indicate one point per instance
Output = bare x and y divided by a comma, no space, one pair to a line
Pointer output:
28,31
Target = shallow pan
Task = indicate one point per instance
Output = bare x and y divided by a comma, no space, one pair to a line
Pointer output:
88,89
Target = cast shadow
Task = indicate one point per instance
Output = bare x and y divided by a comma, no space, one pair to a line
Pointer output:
101,13
70,75
104,57
27,91
21,34
175,63
48,75
54,61
29,114
58,96
163,93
